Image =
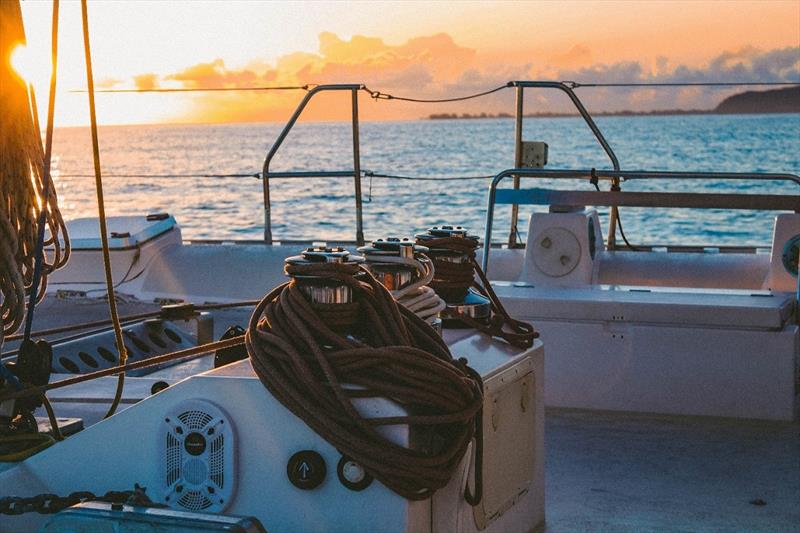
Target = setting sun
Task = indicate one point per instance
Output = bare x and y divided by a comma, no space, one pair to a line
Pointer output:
359,265
23,63
386,45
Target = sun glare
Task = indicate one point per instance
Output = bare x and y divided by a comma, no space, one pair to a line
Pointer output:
20,59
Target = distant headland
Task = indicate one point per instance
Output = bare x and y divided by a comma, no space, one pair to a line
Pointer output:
786,100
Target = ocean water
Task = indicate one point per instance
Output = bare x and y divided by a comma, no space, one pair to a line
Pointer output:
320,210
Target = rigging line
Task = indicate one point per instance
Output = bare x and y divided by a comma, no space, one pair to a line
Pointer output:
256,175
575,84
112,301
204,89
47,178
370,174
377,95
132,318
144,363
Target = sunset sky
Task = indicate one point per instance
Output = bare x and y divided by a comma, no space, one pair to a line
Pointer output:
425,49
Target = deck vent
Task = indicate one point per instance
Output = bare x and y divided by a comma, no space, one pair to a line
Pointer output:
143,340
197,457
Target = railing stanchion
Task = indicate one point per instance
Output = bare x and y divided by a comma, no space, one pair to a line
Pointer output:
512,234
267,210
265,174
357,172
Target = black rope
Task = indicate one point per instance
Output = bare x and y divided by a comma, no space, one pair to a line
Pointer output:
616,188
256,175
204,89
377,95
575,84
370,174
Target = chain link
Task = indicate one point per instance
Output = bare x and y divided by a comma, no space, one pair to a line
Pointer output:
53,503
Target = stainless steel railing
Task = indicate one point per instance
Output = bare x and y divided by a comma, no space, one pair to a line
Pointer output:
519,116
519,86
540,196
355,172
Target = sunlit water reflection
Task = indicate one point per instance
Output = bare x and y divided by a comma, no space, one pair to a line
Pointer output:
232,208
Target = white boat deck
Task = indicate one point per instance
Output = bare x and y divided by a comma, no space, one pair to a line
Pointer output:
604,470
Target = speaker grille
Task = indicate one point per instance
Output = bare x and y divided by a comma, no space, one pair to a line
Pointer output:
196,420
197,475
217,461
173,459
194,501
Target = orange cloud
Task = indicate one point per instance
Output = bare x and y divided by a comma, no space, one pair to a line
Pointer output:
436,66
420,64
108,83
146,81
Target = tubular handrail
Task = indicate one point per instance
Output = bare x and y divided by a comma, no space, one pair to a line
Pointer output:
615,175
640,199
356,172
568,89
354,88
581,109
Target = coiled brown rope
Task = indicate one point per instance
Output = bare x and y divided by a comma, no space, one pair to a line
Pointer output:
23,179
453,280
303,354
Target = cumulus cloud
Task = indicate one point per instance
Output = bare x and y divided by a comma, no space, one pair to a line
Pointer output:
436,66
146,82
744,65
108,83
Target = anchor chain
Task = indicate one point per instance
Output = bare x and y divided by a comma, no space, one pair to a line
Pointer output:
52,503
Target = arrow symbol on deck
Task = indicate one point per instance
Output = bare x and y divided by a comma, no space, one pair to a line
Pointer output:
304,470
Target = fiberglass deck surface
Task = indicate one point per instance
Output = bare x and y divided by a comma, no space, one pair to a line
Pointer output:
604,471
628,472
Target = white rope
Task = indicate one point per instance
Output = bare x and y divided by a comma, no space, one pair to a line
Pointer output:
417,297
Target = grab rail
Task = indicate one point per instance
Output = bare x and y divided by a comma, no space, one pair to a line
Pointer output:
538,196
615,175
356,172
520,87
568,89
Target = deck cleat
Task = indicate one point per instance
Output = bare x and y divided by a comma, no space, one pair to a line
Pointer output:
452,249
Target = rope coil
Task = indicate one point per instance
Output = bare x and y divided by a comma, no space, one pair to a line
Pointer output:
417,296
453,280
310,363
26,191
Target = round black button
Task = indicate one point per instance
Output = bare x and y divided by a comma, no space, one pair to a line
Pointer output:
195,443
352,475
306,469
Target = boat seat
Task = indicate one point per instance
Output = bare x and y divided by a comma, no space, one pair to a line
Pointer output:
762,310
684,269
124,231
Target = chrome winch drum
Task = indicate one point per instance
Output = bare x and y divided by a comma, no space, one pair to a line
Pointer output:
324,290
471,304
391,274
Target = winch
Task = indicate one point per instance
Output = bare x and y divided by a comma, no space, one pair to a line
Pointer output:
452,249
19,433
322,290
403,268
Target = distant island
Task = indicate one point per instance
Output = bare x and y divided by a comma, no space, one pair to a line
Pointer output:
786,100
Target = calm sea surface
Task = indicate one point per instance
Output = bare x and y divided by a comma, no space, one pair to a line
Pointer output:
232,208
